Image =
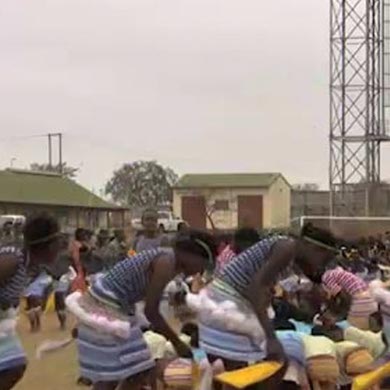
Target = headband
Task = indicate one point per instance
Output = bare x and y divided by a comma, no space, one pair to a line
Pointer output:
320,244
42,240
204,246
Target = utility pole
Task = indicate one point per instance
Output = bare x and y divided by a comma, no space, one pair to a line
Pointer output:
58,137
49,136
60,152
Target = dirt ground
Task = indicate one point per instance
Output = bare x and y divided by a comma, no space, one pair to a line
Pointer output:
57,371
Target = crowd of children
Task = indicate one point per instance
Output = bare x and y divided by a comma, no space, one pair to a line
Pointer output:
297,299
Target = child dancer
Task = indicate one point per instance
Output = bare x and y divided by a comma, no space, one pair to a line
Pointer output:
36,295
108,330
41,246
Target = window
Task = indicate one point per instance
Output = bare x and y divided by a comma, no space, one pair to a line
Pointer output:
221,205
163,215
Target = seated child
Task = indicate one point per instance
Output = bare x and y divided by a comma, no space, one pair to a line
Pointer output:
179,374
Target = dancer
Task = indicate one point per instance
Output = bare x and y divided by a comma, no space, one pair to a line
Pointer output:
41,246
108,329
63,274
346,286
233,310
36,296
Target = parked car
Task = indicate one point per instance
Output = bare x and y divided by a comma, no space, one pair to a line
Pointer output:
14,219
167,222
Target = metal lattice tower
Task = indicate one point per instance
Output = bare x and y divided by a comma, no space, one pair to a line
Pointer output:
359,97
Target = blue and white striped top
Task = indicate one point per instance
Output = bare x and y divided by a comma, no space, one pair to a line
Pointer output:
12,289
238,273
126,283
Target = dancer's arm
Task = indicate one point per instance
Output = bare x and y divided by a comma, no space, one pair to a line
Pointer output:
8,267
259,291
162,273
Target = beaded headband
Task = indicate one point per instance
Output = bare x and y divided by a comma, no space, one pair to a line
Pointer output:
42,240
320,244
204,246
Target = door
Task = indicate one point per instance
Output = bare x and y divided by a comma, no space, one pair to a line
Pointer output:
250,211
193,209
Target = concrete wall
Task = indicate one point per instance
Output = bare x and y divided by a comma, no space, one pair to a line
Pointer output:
276,204
309,203
280,203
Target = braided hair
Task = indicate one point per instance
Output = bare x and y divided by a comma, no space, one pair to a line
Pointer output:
321,235
199,243
40,231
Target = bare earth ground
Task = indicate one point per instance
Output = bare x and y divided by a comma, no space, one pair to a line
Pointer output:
57,371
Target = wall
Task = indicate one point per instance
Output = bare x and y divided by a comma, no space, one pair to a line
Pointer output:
226,219
280,203
309,203
69,217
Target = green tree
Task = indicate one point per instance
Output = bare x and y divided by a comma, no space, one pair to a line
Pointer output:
141,184
66,170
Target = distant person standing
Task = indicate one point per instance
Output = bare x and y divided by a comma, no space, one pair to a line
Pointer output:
117,248
78,244
102,250
60,271
243,239
18,234
151,237
7,236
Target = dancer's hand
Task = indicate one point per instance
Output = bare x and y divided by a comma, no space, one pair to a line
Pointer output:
275,351
183,350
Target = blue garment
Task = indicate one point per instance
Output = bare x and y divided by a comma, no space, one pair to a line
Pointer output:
302,327
343,324
105,358
12,289
126,283
12,354
39,286
238,273
293,345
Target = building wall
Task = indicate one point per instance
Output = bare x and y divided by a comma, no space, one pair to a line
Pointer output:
69,217
227,219
280,204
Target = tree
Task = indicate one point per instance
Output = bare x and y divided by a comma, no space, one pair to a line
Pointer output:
66,170
141,184
306,187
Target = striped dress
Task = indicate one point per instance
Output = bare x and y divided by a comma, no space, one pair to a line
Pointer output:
12,354
229,327
363,304
106,357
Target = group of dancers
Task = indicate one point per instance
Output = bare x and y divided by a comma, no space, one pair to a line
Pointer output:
281,298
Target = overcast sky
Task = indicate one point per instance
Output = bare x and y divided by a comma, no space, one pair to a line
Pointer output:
199,85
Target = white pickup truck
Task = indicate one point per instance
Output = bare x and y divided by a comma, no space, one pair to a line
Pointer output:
167,222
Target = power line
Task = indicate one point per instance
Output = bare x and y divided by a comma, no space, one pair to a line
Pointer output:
21,137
